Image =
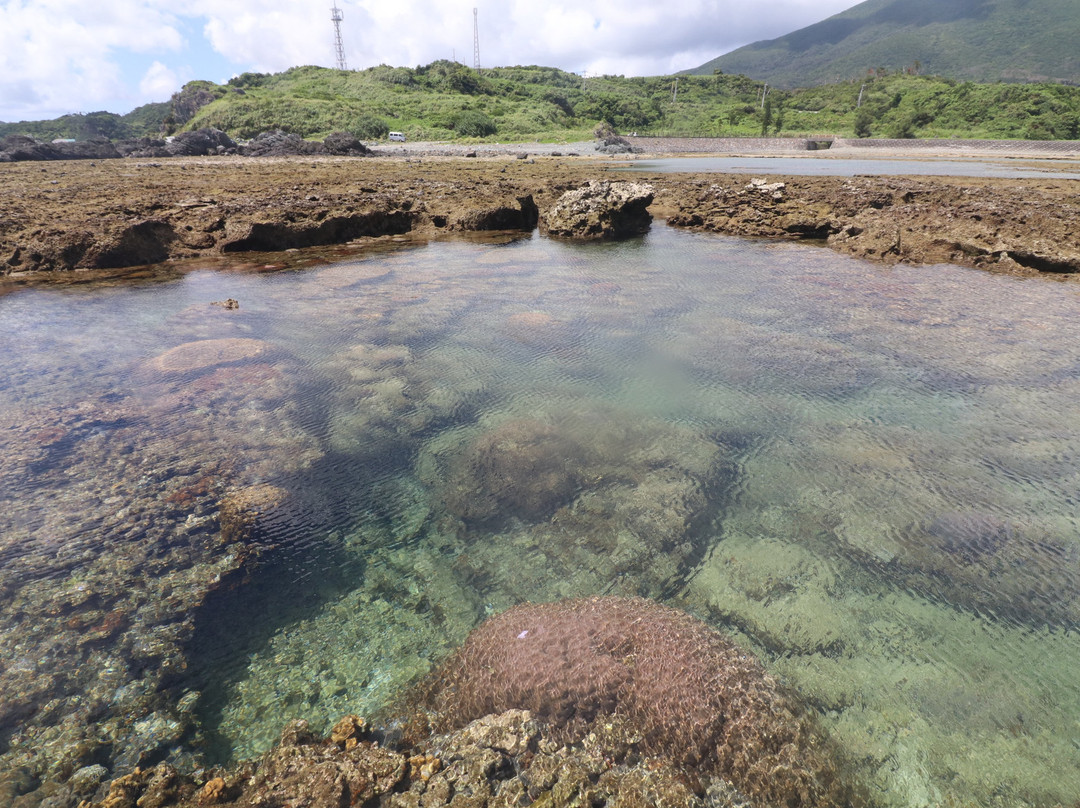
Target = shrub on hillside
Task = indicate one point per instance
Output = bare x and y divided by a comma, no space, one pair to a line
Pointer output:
473,123
368,127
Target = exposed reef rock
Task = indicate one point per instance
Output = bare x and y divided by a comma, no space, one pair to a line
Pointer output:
87,215
688,694
897,219
600,210
502,761
295,231
506,216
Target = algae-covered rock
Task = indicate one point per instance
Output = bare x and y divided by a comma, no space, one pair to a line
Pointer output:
241,510
524,468
304,770
993,566
193,357
543,507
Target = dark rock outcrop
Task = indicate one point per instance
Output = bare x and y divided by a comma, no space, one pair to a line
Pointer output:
344,143
16,148
142,147
199,143
613,144
283,144
277,144
99,148
600,210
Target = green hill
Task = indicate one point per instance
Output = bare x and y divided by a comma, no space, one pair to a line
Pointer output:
448,101
144,120
977,40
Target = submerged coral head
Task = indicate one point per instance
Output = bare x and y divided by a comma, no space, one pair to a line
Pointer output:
691,694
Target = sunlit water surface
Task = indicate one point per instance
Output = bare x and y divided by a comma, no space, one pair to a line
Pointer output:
869,166
867,475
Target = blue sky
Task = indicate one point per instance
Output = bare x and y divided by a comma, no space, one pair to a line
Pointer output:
60,56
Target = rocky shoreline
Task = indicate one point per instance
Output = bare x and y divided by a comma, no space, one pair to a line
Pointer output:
78,215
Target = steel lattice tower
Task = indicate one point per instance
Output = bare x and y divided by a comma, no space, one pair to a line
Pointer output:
475,42
339,47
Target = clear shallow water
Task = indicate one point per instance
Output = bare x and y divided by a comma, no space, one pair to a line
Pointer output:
869,166
866,474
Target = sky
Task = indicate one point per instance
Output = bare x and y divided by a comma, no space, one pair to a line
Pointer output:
63,56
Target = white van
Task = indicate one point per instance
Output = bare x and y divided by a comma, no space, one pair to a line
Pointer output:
398,136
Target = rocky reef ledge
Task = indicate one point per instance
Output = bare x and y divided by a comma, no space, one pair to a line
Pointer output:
109,214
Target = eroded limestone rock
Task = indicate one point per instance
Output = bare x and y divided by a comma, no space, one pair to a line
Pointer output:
600,210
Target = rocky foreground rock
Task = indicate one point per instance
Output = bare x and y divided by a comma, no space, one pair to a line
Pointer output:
500,760
600,210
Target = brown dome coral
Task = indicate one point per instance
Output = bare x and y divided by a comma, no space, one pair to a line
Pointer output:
690,693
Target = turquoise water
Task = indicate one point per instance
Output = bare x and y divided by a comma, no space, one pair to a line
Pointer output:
867,475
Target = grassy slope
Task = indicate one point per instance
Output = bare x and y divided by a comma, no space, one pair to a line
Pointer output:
446,100
980,40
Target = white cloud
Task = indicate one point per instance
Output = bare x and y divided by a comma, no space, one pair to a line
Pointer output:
159,81
60,56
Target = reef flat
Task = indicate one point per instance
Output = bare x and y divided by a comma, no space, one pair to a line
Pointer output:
122,213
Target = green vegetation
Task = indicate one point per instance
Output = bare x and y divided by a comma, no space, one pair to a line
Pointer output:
448,101
141,121
976,40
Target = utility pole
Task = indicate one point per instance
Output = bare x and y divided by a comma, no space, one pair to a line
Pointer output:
339,47
859,102
764,92
475,41
675,90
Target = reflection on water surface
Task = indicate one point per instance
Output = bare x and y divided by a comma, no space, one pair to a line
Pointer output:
870,166
215,520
